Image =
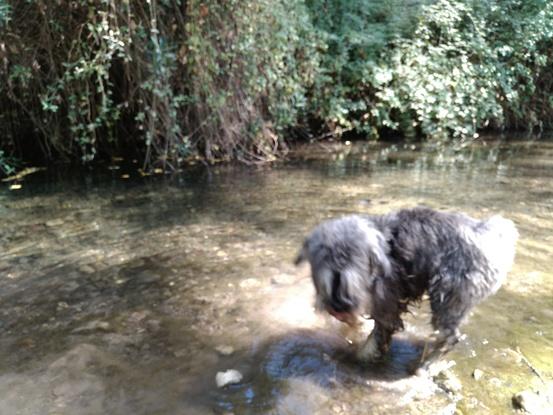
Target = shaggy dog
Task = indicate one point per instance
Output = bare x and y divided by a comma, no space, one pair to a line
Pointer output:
377,265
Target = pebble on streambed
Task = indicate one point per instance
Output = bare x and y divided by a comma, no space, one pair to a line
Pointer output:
477,374
228,377
225,350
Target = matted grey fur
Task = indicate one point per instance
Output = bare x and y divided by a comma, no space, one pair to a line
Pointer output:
377,265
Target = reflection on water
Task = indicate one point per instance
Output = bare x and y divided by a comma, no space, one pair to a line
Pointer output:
127,297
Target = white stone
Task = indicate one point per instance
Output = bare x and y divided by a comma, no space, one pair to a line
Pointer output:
477,374
228,377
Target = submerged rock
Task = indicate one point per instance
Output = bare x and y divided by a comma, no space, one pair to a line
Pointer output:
448,382
138,316
119,342
153,325
282,279
79,382
87,269
147,277
250,283
225,350
92,326
54,222
228,377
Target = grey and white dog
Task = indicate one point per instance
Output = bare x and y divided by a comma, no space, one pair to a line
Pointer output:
377,265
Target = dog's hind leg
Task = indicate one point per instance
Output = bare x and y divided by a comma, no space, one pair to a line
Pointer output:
449,307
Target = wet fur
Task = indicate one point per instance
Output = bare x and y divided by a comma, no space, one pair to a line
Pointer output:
377,265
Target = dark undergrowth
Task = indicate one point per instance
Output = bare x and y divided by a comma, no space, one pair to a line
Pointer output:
169,81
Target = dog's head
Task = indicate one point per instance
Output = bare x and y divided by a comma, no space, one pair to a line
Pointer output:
346,256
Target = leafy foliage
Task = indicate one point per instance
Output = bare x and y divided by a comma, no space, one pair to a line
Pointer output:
435,69
357,35
468,66
250,64
220,79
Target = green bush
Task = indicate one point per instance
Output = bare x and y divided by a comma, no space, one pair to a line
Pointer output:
469,65
250,65
219,79
434,69
357,36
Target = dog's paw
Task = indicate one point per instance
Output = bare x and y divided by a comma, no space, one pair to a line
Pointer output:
364,357
369,352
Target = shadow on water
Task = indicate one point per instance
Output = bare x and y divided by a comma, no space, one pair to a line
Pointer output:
319,360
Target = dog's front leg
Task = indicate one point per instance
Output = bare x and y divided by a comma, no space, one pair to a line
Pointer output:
376,345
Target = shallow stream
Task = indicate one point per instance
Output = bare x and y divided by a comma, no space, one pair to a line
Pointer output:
127,296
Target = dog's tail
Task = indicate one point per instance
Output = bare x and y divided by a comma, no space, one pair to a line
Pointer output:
498,237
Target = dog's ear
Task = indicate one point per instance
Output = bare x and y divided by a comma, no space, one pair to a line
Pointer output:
379,251
302,254
347,287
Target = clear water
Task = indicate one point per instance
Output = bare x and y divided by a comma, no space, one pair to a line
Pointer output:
116,294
